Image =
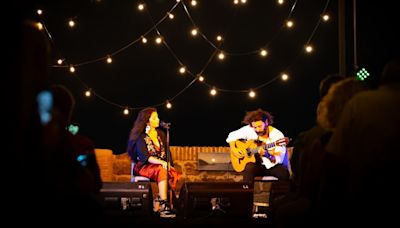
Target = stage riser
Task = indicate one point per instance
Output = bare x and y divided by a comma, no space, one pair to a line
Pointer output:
235,199
128,197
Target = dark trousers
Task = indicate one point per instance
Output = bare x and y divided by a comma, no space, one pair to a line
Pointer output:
257,169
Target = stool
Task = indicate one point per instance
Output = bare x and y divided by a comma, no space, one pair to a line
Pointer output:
275,189
137,178
262,192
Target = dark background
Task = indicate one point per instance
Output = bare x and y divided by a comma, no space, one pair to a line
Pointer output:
147,75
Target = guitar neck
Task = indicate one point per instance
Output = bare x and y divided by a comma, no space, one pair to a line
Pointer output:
268,145
265,147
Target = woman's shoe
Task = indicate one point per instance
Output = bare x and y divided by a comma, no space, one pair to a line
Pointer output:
165,210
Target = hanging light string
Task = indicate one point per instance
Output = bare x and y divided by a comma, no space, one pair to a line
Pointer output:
217,49
122,48
155,27
108,101
195,25
227,52
195,76
319,21
301,51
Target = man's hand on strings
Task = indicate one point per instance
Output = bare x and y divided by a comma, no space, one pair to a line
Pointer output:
261,151
237,153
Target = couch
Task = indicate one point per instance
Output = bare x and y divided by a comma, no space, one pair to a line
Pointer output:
117,167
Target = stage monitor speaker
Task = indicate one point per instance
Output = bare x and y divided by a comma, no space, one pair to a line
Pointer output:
224,198
127,196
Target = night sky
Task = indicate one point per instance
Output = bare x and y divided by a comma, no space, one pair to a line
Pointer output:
147,74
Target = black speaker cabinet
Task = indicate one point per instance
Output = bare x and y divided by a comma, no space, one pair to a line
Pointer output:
225,198
127,196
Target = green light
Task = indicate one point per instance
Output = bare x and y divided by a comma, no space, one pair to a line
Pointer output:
73,128
362,74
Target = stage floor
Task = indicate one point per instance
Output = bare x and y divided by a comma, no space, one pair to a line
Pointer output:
200,217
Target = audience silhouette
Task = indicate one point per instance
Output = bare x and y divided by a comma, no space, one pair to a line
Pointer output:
362,156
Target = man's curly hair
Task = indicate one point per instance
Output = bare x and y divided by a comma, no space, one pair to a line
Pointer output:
257,115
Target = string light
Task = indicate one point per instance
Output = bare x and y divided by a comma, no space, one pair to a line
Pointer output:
284,76
182,69
309,48
194,32
71,23
213,92
141,7
221,54
168,105
289,23
39,26
109,59
244,52
126,111
144,40
201,78
252,94
71,69
60,61
39,12
88,93
263,52
187,12
325,17
159,40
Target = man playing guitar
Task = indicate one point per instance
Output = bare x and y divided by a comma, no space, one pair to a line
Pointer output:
263,152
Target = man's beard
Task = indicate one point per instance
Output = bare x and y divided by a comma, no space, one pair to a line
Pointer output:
261,133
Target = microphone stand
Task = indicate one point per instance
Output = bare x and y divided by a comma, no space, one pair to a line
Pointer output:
166,127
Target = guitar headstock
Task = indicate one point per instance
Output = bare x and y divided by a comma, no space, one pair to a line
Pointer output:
282,142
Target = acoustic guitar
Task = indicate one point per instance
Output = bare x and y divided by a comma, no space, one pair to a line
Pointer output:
249,148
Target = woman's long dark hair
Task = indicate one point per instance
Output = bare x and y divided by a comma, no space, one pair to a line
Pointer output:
140,123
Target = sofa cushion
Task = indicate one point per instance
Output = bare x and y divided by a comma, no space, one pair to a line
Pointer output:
191,174
105,158
122,164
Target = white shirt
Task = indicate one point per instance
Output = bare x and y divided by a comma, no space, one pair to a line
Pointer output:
245,132
248,133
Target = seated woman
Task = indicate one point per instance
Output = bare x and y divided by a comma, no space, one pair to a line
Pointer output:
147,147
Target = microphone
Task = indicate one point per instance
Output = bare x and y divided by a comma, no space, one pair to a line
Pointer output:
164,125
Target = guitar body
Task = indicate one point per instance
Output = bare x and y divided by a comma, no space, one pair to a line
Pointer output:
239,164
249,148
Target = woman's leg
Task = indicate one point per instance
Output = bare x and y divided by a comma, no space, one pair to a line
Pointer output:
162,184
162,189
